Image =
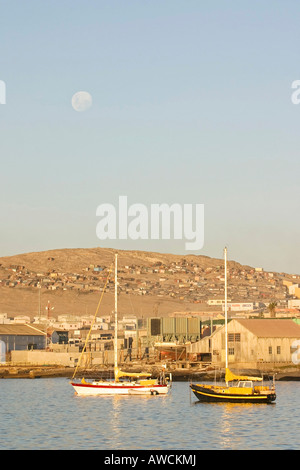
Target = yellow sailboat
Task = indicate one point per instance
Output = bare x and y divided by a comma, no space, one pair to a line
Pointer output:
237,388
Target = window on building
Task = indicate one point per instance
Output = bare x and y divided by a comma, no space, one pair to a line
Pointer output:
270,349
231,351
278,350
234,337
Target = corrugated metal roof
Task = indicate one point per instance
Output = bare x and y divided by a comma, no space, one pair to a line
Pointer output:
19,330
273,328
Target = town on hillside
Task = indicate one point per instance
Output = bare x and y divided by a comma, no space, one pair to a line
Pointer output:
197,286
189,282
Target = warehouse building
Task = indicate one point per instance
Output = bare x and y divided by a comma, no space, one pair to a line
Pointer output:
19,337
252,342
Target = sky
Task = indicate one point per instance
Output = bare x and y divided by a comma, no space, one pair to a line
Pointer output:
191,104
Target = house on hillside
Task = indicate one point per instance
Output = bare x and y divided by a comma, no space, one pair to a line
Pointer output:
252,342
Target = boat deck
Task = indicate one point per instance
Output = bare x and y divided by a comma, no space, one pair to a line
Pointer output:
233,394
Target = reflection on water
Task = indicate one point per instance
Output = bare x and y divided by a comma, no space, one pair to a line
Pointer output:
133,419
248,425
236,418
45,414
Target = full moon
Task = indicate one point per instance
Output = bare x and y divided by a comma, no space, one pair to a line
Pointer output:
81,101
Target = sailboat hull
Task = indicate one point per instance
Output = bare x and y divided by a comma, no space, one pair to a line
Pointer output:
118,388
218,394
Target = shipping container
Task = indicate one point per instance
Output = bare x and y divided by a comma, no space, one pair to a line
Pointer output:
194,326
168,326
155,326
181,326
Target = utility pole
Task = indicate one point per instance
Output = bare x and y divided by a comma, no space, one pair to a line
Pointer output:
48,308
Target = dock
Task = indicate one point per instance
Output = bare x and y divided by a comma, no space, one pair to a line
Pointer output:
8,371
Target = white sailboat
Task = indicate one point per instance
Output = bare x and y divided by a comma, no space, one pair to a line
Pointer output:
124,383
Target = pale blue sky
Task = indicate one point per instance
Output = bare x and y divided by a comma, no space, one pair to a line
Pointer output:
191,104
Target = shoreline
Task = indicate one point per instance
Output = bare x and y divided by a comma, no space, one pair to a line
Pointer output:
179,374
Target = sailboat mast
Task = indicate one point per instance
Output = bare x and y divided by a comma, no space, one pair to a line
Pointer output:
226,333
116,315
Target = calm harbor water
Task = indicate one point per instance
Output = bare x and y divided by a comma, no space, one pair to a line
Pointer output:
45,414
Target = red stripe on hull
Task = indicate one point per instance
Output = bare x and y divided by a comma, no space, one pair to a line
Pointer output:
116,386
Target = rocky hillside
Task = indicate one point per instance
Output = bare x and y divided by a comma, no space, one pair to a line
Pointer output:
150,284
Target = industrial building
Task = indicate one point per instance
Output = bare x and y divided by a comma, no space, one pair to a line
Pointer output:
19,338
252,342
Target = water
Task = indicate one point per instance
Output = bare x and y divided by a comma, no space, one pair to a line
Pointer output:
45,414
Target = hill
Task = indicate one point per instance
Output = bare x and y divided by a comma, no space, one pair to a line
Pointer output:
151,284
72,260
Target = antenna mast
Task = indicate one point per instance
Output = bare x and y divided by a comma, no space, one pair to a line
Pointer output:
226,333
116,315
